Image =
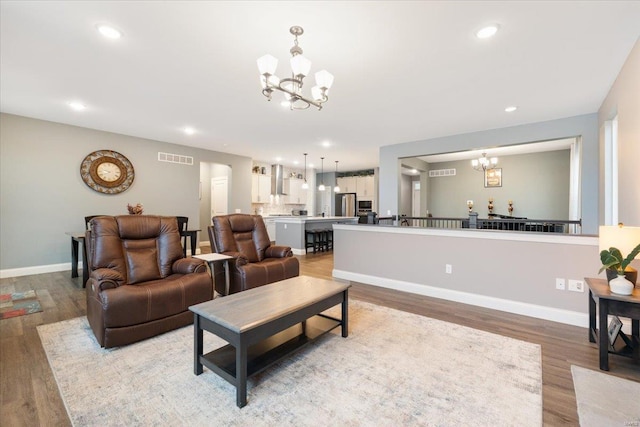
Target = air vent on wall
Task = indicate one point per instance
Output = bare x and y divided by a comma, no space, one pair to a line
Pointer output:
175,158
441,172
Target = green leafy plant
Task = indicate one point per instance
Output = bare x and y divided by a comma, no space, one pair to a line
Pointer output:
613,259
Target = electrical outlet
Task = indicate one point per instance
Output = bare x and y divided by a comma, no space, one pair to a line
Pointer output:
560,284
576,285
448,268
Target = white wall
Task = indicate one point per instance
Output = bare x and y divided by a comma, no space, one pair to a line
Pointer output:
513,272
624,100
43,194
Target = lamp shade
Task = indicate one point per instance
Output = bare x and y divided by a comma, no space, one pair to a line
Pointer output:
267,64
300,65
324,79
619,236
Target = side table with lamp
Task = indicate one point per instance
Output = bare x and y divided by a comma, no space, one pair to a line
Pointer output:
618,295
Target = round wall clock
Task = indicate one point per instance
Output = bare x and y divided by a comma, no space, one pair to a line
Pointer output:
107,171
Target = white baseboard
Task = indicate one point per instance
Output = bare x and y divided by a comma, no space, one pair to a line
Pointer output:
298,251
537,311
37,269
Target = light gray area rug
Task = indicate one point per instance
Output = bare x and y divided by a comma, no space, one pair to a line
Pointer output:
605,400
395,368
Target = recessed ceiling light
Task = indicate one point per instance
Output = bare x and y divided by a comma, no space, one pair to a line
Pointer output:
326,144
189,130
77,106
295,162
285,104
278,159
486,32
511,109
108,31
414,170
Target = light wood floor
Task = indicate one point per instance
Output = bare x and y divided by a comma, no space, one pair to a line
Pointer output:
29,395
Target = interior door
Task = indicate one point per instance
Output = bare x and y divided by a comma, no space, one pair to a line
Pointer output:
219,196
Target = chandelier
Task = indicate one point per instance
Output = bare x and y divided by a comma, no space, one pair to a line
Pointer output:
292,87
483,163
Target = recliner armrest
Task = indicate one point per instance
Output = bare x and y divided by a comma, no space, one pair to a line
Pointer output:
239,259
278,251
189,265
106,278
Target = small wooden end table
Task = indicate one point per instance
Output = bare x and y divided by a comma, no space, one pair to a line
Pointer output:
617,305
213,259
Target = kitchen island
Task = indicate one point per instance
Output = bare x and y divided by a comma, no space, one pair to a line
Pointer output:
291,230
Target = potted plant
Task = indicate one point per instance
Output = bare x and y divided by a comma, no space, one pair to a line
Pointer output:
618,267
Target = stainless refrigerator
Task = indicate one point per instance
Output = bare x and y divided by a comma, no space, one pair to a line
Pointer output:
346,204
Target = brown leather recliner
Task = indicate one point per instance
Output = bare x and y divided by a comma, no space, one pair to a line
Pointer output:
257,263
140,285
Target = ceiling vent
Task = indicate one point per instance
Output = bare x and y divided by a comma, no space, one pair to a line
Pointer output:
441,172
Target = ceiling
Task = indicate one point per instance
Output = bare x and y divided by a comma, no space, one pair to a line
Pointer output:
404,71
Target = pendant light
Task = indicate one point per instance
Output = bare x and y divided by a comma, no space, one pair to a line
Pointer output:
321,186
305,185
336,189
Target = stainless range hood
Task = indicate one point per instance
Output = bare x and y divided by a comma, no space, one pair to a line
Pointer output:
277,180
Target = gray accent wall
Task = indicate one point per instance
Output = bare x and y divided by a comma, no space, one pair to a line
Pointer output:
43,195
537,183
585,126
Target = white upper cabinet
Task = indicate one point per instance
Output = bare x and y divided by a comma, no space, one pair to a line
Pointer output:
295,193
347,184
365,187
260,188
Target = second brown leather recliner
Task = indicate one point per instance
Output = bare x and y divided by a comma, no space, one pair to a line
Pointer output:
256,261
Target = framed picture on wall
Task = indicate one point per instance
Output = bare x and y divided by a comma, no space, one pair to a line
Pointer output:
493,178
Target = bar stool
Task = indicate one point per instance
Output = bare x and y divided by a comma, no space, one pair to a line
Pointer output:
312,240
329,239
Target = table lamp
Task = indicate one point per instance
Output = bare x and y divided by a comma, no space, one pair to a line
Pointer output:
626,239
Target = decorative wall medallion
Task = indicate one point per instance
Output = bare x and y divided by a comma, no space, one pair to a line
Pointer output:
107,171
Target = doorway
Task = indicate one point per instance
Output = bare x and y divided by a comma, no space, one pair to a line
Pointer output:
215,179
219,196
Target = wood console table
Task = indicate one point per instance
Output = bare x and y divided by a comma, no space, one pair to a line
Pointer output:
617,305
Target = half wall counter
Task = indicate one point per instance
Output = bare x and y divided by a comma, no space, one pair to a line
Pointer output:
291,230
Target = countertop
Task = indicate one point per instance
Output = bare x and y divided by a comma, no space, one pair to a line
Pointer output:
302,219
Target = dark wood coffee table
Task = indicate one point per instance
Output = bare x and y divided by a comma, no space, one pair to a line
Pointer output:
265,324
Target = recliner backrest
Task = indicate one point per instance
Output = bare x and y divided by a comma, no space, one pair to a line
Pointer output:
139,247
242,233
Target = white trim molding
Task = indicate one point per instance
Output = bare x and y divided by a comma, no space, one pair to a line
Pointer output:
516,307
37,269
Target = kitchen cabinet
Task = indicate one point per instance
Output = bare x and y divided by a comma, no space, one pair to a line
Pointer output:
295,193
260,188
365,187
347,184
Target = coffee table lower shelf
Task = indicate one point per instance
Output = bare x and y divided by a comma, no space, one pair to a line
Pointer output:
265,353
